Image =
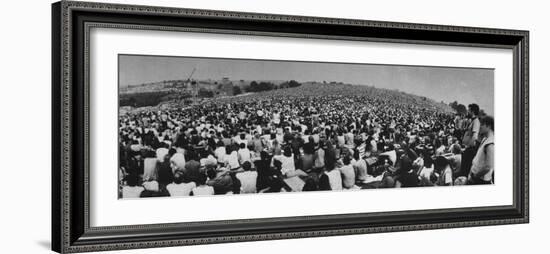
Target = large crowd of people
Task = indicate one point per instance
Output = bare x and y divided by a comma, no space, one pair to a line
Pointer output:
302,142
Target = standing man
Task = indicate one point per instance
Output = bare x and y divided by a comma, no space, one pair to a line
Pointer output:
470,139
483,163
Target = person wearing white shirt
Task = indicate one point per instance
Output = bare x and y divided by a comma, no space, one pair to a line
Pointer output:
335,179
207,160
288,168
220,151
442,166
179,187
276,118
231,159
132,190
248,178
287,161
244,154
425,174
483,163
202,189
241,139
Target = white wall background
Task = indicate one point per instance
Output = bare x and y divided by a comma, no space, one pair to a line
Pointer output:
25,125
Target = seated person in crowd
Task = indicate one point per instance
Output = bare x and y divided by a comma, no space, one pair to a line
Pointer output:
455,160
202,189
288,167
244,154
360,168
181,186
231,158
443,169
132,189
348,173
221,180
247,178
334,178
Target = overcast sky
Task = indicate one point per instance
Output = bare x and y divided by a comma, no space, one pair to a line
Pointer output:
465,85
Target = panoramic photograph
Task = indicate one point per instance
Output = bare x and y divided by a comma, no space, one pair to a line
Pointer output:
195,126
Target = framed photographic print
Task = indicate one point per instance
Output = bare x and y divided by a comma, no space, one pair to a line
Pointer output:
182,126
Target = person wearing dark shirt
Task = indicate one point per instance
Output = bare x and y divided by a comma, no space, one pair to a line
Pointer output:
264,171
134,166
407,177
269,179
165,173
307,159
221,182
192,167
324,182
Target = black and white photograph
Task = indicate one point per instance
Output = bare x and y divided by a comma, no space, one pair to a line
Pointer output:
212,126
193,126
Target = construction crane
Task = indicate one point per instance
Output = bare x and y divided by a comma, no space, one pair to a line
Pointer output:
191,75
189,85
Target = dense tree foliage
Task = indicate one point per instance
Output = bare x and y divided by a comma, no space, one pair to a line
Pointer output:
205,93
459,108
236,90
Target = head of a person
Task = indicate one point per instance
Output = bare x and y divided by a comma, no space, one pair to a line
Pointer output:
228,150
211,173
287,152
387,182
210,166
487,124
473,109
428,161
234,147
242,146
385,160
455,149
277,164
132,180
201,179
347,160
179,176
171,153
247,166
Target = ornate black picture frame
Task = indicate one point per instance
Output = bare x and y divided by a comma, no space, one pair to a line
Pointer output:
71,231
